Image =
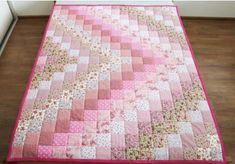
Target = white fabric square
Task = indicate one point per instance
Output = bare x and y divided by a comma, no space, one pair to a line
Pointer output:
58,76
71,68
195,116
161,153
45,85
142,105
83,60
117,127
130,115
103,140
184,127
203,105
32,94
88,152
174,140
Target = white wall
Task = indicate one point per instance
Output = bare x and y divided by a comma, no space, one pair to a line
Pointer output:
206,8
5,19
31,8
186,7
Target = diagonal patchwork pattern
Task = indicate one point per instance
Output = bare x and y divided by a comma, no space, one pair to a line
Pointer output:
116,83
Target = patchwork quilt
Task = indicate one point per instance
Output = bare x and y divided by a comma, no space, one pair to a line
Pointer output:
115,83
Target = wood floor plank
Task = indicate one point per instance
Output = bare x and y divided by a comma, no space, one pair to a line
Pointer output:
213,42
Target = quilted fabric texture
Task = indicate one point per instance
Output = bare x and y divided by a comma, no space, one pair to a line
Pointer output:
115,83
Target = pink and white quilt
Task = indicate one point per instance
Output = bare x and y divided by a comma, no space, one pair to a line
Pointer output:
115,83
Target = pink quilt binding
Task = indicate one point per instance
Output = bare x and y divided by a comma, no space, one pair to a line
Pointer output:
9,159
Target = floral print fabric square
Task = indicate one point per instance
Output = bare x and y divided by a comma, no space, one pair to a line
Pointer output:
115,83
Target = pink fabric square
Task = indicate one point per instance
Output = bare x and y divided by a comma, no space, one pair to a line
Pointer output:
90,126
118,140
155,105
116,84
125,52
77,104
63,115
104,104
116,94
116,46
62,126
75,139
32,138
103,115
30,150
90,115
149,68
127,68
104,94
187,140
60,139
143,116
131,127
148,60
198,128
138,67
28,104
48,126
76,127
175,153
207,117
147,53
140,76
103,152
89,139
59,151
129,85
44,151
77,115
127,76
92,94
42,94
116,76
17,151
103,127
82,67
91,104
46,138
104,85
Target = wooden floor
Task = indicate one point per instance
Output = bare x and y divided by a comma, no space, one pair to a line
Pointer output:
213,42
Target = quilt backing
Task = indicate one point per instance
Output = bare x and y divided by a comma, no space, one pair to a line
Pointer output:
115,83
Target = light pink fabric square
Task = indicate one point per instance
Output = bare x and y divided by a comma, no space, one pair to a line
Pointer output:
155,105
198,128
176,153
90,126
143,116
118,140
103,152
131,127
45,151
207,117
187,140
103,115
17,151
75,139
76,127
63,115
59,151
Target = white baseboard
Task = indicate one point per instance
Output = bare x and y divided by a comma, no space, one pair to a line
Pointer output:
193,8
